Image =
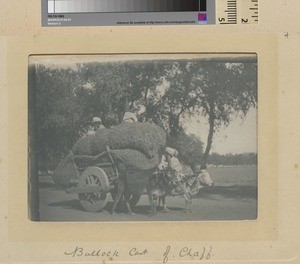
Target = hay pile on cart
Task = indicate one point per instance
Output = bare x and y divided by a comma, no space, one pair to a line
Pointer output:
90,168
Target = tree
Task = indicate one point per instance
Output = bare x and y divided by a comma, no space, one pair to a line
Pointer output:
164,92
189,147
175,96
229,91
57,108
218,90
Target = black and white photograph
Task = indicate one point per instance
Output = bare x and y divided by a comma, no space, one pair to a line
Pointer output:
142,137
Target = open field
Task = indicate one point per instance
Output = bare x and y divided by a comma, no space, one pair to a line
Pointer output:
233,197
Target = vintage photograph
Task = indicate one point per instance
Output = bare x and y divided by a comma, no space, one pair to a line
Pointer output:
143,137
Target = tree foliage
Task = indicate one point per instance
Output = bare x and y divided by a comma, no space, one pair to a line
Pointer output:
164,92
189,147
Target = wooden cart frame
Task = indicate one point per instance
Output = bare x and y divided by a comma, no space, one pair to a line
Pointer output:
93,183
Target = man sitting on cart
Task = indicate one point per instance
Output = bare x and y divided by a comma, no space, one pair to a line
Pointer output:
130,117
96,125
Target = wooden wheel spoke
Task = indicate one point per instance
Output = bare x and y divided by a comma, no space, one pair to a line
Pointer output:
93,180
87,180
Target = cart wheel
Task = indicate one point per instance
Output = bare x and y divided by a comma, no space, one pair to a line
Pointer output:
93,176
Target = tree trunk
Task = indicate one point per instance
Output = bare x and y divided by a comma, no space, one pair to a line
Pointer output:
209,140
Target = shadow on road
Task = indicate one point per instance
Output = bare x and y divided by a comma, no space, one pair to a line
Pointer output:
140,210
69,204
233,192
75,205
44,185
145,209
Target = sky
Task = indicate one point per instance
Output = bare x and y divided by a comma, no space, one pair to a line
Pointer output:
239,137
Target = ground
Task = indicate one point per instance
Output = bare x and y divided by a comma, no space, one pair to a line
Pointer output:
233,197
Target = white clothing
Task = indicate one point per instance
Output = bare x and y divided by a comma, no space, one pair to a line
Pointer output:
130,117
163,163
91,132
96,119
177,168
172,152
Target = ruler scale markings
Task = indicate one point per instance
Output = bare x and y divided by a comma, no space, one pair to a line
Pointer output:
231,14
237,12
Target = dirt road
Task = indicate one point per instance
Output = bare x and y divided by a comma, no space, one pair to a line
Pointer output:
215,203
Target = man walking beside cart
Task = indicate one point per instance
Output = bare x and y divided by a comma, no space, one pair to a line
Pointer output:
175,172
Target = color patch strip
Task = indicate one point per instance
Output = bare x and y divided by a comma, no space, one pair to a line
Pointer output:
125,6
202,18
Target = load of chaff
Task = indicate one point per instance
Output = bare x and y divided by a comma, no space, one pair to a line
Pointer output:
137,145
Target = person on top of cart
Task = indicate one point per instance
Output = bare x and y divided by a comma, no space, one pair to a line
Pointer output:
96,125
130,117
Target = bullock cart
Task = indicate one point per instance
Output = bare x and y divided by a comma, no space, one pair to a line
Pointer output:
95,177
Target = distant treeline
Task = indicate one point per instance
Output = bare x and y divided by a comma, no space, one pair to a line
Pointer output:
233,159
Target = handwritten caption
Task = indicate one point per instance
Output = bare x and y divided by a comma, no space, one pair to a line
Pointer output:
199,254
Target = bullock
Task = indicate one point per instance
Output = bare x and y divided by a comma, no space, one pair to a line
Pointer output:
132,183
157,184
193,183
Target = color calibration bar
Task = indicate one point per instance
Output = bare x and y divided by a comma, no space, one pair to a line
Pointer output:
56,13
148,12
124,6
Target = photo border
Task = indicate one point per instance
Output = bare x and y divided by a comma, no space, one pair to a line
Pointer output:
67,61
22,230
